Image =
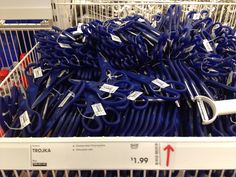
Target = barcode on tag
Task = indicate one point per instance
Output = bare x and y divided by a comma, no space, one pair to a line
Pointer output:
207,45
115,38
70,94
24,120
98,109
160,83
65,45
108,88
134,95
37,72
230,78
196,16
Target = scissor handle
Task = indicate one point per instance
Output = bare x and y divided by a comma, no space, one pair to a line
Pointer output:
222,107
176,86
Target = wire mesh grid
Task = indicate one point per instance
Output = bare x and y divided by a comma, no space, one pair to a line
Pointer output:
71,12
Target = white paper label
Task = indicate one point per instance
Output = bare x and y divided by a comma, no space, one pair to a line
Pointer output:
134,95
37,72
24,119
79,28
160,83
98,109
115,38
196,16
141,20
108,88
71,94
135,155
230,78
117,22
207,45
64,45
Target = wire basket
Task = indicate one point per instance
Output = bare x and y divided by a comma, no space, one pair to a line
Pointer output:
192,156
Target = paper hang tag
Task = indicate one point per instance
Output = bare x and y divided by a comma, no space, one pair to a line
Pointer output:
207,45
134,95
160,83
115,38
70,94
37,72
141,20
117,22
108,88
64,45
98,109
196,16
211,70
230,78
79,30
24,120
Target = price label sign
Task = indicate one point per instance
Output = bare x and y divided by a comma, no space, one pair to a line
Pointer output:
132,155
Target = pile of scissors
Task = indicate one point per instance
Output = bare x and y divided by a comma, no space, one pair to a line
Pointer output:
133,69
127,77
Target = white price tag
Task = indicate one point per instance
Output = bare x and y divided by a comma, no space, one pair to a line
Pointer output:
117,22
160,83
135,155
207,45
196,16
65,45
24,120
71,94
141,20
115,38
37,72
108,88
98,109
134,95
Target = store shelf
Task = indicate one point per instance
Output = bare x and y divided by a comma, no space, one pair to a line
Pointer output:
117,153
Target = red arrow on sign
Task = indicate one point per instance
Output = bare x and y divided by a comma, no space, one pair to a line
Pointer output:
168,148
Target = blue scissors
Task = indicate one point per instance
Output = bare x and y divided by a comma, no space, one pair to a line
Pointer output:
168,93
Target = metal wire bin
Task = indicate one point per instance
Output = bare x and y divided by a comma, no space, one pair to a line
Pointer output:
104,156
